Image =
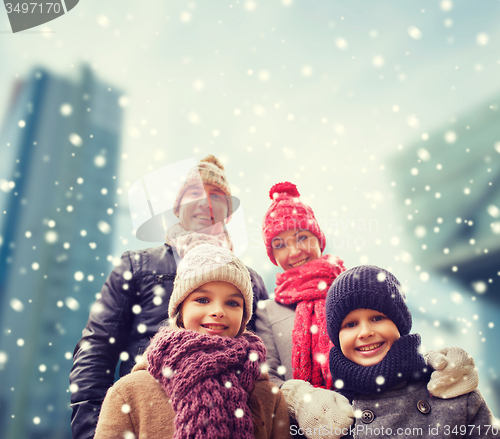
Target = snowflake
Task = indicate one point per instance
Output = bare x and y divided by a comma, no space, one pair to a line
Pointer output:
167,372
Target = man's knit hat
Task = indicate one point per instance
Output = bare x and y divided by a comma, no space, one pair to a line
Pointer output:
211,171
366,287
209,263
287,212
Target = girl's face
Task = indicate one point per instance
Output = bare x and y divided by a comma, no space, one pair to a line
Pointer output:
294,248
366,336
215,308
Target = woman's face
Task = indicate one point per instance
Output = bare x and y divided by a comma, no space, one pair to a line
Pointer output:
294,248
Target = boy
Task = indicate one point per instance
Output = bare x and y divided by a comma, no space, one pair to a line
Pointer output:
376,364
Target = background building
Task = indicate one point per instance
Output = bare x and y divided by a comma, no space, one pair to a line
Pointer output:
449,186
59,144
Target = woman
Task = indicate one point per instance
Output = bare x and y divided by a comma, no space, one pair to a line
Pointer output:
293,325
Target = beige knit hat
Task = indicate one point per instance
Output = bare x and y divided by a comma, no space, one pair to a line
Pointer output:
211,171
209,263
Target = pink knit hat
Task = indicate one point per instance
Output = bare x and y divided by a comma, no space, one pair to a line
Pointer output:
287,212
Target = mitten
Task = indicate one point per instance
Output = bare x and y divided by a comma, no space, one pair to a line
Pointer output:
313,407
454,373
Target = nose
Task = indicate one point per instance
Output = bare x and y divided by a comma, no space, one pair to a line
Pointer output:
204,200
365,330
217,311
294,250
206,203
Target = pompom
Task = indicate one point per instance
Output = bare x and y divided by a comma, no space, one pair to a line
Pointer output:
284,188
212,159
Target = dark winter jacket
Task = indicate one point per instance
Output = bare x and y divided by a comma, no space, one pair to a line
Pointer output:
133,303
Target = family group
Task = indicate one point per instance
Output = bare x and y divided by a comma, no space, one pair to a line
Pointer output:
204,353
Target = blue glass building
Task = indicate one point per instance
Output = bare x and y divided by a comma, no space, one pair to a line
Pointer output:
59,149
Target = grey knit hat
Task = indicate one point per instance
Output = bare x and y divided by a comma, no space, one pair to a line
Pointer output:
368,287
209,263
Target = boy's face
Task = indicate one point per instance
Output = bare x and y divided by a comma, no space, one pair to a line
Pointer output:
215,308
366,336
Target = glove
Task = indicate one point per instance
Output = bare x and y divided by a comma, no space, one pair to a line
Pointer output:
454,373
313,407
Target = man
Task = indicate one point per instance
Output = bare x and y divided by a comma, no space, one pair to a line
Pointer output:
134,299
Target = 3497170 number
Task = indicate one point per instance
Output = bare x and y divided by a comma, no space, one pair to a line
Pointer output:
462,430
33,8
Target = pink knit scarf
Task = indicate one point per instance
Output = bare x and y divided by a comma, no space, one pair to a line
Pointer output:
307,286
208,379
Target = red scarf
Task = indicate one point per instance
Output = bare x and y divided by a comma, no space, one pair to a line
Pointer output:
307,286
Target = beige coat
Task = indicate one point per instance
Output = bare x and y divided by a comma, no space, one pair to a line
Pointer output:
138,404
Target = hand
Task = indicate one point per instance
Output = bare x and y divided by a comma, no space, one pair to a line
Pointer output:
314,407
454,373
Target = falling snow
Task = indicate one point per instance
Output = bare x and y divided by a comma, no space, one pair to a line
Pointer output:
253,356
340,112
414,32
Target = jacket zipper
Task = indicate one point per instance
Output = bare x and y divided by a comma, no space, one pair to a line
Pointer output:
160,278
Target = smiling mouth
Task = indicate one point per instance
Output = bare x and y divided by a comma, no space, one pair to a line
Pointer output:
298,264
368,348
204,217
211,326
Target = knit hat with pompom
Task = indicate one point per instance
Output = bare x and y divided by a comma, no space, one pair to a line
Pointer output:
287,212
211,171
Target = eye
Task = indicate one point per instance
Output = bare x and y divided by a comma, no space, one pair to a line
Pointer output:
233,303
301,238
216,197
350,325
201,300
277,244
378,318
194,191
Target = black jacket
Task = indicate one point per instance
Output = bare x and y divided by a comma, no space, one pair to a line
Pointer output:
132,305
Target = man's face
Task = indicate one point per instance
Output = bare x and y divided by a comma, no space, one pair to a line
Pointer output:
201,207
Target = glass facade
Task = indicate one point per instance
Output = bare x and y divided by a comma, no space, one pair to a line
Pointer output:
59,145
448,184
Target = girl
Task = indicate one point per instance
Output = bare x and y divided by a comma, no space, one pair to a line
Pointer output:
201,377
293,326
